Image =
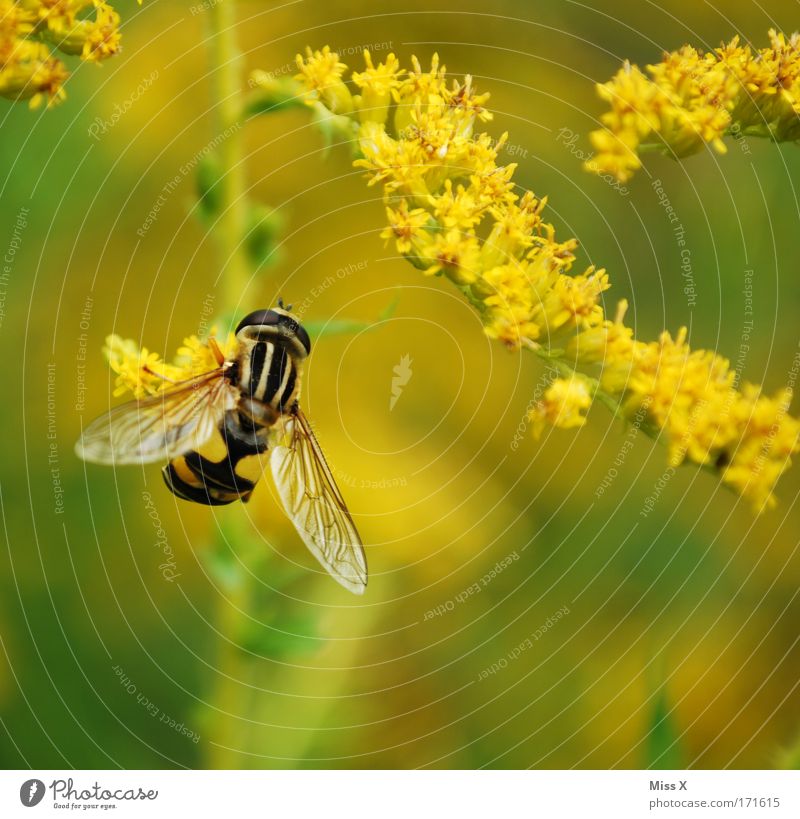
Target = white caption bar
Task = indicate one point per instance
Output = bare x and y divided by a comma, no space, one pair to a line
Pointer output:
406,794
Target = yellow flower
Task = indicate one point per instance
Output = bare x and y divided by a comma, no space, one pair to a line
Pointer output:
417,89
93,39
691,99
377,84
453,253
102,34
456,208
679,386
763,452
419,85
144,373
406,226
609,344
196,356
493,185
564,405
322,73
515,229
573,302
513,302
29,72
15,22
28,69
394,163
463,96
138,370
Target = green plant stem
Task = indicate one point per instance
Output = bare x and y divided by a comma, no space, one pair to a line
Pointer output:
229,232
564,369
229,668
227,66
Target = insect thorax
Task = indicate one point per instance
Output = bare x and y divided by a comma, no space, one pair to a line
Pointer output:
268,374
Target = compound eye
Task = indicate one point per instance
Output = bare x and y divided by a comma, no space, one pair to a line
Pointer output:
259,318
302,337
293,328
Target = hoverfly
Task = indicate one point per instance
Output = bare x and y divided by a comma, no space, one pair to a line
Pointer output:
213,429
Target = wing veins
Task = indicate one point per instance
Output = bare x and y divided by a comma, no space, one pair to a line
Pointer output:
316,507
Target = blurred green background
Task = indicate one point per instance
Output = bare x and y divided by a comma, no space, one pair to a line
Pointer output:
677,642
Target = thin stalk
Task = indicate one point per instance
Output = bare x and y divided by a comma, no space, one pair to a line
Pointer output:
554,359
227,66
228,232
222,753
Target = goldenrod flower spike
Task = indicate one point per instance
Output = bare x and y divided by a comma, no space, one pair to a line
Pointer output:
31,29
453,210
692,99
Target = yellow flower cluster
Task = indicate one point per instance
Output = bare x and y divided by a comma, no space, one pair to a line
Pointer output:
144,373
692,400
453,210
30,30
445,187
564,403
694,98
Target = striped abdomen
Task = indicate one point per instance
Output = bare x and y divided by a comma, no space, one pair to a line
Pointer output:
226,468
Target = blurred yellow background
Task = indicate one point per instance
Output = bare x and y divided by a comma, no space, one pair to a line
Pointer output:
609,636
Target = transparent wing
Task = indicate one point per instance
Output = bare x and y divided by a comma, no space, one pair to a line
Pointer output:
315,506
162,426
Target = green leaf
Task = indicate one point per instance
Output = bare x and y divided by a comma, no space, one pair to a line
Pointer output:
209,191
264,225
335,327
338,327
390,309
272,94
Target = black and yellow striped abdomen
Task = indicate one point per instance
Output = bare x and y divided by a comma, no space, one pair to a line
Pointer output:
225,469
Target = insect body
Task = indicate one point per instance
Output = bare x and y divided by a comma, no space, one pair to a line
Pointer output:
217,430
267,373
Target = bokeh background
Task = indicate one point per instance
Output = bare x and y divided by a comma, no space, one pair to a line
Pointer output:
661,638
